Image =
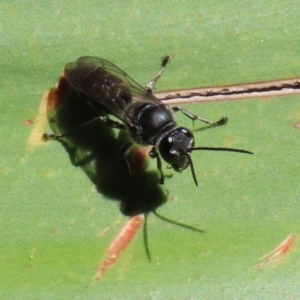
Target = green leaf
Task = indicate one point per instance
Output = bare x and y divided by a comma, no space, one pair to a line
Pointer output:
55,226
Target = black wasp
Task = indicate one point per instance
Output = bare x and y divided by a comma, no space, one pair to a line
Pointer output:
149,121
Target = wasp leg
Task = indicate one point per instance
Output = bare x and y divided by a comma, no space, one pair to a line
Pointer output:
193,117
153,154
104,119
151,85
145,234
123,151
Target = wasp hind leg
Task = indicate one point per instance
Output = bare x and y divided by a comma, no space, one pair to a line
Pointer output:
104,119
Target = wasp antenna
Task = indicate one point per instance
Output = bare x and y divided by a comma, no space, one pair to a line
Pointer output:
192,168
222,149
145,234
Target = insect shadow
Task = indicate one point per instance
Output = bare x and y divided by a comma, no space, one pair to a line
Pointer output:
96,150
87,135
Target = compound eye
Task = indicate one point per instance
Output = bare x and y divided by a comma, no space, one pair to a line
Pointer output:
171,140
186,135
183,140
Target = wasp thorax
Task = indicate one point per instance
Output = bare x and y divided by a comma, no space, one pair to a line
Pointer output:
174,147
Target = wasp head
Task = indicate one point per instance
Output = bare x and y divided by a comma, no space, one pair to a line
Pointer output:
175,148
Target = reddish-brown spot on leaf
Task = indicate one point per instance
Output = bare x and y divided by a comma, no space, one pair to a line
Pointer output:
278,252
104,232
139,159
28,122
119,244
297,125
57,94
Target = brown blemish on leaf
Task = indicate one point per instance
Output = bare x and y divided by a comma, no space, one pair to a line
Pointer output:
278,253
28,122
297,125
58,93
140,158
233,92
35,138
119,244
104,232
50,100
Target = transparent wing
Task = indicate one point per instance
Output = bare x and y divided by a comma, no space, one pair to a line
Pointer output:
104,83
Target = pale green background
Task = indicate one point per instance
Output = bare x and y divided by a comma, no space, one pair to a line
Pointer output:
50,215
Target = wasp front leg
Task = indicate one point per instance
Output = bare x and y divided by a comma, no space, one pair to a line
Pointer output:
193,117
154,154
